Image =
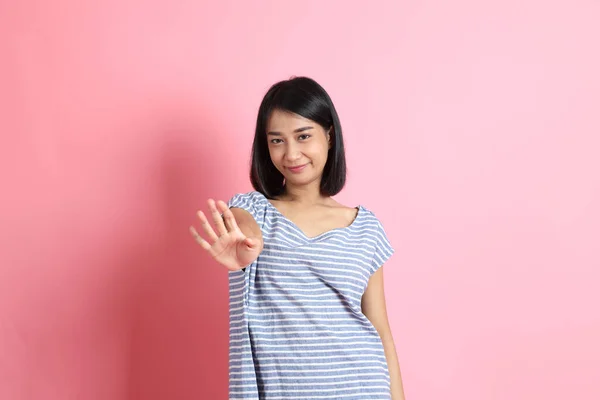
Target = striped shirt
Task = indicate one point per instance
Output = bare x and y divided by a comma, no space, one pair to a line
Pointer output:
296,329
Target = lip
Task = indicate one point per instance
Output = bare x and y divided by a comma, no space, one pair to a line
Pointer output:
298,168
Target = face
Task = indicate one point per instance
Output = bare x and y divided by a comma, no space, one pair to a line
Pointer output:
295,141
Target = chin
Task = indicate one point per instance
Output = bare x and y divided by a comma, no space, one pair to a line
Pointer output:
296,180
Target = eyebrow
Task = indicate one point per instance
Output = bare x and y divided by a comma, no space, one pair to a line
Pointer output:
304,128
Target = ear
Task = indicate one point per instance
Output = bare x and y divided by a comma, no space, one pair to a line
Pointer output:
329,136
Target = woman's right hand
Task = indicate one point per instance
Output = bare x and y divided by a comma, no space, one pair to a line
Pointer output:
228,245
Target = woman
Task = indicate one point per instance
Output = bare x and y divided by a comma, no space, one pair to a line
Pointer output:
307,310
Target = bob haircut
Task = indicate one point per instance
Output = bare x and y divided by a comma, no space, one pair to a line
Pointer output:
305,97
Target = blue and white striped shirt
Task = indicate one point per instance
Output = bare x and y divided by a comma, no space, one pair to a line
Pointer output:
296,329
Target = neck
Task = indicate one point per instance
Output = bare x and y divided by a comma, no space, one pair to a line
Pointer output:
305,194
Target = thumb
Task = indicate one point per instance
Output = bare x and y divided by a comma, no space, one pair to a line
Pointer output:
249,242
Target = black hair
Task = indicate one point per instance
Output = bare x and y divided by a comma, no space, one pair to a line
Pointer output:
305,97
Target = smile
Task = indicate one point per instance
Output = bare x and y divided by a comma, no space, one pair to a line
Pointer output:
298,168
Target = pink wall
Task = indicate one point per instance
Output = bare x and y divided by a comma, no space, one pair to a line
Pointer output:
472,131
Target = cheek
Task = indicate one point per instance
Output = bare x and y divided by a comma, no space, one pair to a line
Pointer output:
276,154
319,150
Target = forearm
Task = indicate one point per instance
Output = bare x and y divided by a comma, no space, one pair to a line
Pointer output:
397,388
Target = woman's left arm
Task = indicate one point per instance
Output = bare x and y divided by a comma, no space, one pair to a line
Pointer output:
374,308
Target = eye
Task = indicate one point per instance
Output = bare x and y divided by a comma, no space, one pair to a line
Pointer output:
304,135
274,141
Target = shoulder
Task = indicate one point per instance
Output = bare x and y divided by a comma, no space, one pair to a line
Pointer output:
383,249
334,207
253,202
254,197
370,216
374,224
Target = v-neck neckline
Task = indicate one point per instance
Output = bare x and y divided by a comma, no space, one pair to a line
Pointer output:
304,235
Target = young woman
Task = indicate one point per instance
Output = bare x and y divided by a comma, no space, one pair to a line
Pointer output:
307,310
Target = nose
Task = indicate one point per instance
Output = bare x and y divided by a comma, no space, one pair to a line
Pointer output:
292,152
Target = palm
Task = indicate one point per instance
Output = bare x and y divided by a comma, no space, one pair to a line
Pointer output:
228,245
232,251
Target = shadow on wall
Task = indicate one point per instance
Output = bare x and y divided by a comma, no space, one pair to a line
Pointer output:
179,333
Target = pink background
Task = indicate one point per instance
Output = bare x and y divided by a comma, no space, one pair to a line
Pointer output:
472,131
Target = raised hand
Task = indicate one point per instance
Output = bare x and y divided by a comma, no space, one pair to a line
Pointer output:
228,245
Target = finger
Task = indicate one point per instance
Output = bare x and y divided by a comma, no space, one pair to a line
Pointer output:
207,228
203,243
217,218
228,216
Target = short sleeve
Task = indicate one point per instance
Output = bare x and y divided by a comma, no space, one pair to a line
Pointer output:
250,202
383,248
